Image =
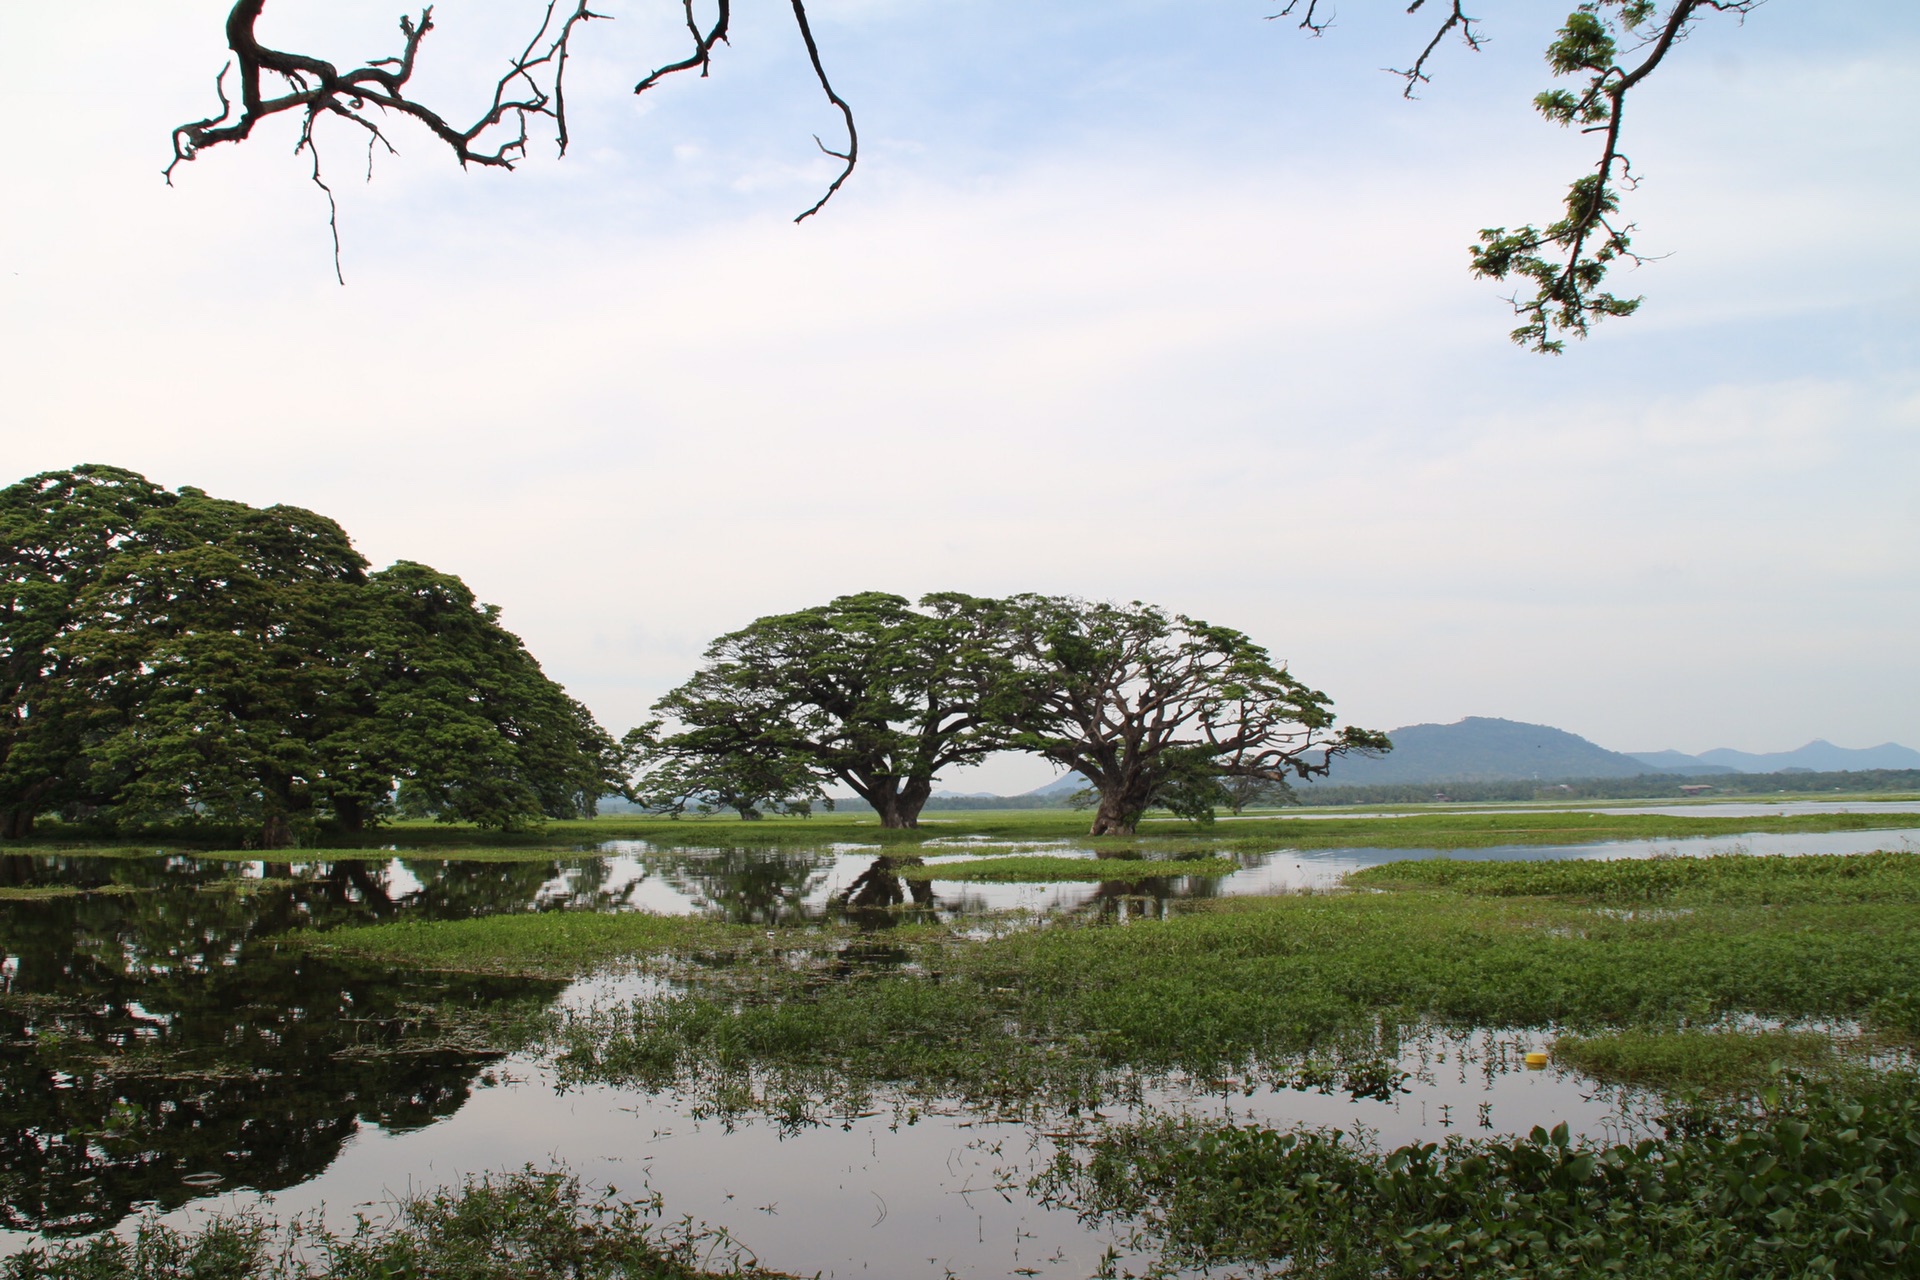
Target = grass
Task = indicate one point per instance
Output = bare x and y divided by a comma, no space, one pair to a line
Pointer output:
1712,1061
1732,878
542,944
523,1226
1027,869
1426,829
1257,984
40,892
1821,1180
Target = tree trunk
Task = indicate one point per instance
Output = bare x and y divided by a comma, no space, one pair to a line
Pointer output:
1118,814
894,815
17,824
899,806
275,831
350,814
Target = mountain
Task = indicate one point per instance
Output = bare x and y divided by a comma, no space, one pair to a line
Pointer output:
1679,762
1063,786
1818,756
1481,749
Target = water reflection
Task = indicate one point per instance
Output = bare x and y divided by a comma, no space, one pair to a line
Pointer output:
155,1044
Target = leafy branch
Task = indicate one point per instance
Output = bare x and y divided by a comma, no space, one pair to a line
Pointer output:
1568,261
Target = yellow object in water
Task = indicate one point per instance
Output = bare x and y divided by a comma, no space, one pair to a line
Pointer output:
1536,1060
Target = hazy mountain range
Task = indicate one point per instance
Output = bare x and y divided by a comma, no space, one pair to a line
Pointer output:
1481,749
1484,749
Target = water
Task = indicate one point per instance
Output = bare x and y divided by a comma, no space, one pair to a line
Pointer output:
159,1051
881,1196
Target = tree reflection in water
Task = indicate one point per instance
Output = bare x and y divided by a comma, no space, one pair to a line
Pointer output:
746,886
156,1044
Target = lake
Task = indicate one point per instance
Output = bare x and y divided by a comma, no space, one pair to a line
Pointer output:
159,1051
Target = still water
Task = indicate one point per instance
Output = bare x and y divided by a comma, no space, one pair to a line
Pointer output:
159,1052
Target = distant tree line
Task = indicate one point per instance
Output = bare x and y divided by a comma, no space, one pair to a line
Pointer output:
170,657
877,694
1646,786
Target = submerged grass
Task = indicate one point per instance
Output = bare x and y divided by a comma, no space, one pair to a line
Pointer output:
1822,1179
532,944
532,1225
1375,829
1715,1061
1254,984
1024,869
1884,877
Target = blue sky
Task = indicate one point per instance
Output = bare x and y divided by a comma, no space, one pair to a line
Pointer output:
1131,300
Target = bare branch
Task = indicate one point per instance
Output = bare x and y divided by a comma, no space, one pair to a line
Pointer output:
1416,75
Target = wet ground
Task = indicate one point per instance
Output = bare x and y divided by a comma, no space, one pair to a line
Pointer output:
159,1051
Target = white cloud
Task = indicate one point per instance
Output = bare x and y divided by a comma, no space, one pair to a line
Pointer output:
1190,365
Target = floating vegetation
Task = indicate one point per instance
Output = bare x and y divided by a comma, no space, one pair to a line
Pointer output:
1718,1060
1819,1179
532,944
1886,877
531,1225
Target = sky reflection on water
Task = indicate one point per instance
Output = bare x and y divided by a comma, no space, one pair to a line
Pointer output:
174,957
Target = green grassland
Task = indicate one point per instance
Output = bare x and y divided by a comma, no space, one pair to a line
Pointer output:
1256,984
1743,990
531,1225
1522,825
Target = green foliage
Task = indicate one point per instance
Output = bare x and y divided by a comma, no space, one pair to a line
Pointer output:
1256,983
532,1225
1824,1182
1719,1061
1566,264
1726,878
177,658
57,533
747,783
866,690
1157,709
553,943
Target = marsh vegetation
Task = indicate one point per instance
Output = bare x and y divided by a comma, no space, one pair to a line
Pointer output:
1156,1078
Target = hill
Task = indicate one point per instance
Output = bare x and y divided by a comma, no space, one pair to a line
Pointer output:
1483,749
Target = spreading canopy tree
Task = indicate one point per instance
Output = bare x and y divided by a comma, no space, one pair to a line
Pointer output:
57,532
866,690
1158,709
749,784
173,656
1605,50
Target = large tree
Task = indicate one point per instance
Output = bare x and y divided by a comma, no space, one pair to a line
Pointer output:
463,713
57,532
1605,50
866,690
176,657
1157,709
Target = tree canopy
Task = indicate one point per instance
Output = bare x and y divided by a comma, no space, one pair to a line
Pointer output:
1158,709
175,657
1605,49
1153,709
866,690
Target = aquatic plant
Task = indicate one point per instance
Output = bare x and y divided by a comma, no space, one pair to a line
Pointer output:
530,1225
1822,1179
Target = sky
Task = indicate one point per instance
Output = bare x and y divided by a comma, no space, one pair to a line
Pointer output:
1129,300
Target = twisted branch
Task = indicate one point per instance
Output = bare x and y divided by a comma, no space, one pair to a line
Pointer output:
533,88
